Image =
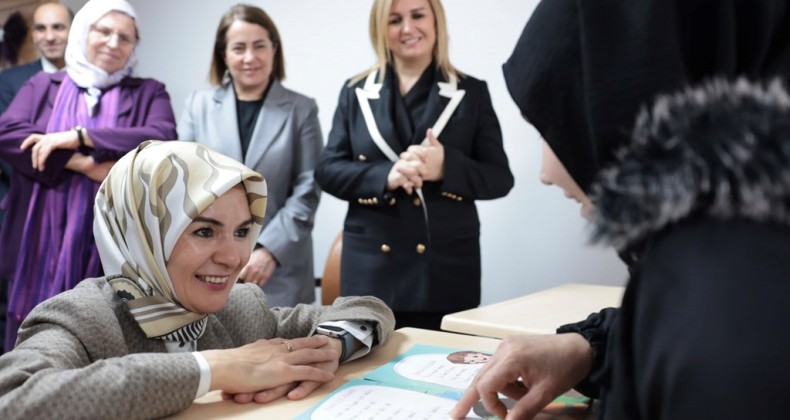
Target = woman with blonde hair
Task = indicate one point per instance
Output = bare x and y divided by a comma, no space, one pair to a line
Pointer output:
413,144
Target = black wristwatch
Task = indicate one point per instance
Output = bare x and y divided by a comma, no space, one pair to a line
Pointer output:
344,336
80,136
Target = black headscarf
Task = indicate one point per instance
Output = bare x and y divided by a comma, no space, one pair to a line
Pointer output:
14,34
582,69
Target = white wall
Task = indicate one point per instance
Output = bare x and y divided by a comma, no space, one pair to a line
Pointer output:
531,240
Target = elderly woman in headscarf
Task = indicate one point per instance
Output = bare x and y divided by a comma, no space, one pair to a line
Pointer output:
62,133
693,192
175,224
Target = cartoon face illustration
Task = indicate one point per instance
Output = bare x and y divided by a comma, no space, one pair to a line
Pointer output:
468,357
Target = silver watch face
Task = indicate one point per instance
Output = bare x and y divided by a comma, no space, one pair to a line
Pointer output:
331,331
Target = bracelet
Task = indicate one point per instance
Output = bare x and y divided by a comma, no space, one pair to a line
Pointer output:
80,137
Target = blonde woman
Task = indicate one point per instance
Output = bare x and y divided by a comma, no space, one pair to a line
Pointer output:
414,143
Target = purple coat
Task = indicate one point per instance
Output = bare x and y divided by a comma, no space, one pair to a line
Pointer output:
144,113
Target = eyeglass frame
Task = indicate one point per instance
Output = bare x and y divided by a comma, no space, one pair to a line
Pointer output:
106,35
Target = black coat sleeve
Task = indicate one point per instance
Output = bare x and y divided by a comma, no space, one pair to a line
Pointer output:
596,329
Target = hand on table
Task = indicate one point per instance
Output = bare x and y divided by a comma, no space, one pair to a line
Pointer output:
266,369
305,388
531,369
292,391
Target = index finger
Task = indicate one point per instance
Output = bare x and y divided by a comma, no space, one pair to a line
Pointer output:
409,154
28,141
302,390
467,401
484,388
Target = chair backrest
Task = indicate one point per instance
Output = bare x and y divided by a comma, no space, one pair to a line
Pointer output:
330,282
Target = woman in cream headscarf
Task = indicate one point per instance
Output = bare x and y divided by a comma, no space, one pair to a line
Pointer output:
61,133
175,224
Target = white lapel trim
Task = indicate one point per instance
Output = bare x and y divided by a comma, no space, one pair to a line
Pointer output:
368,92
371,90
448,90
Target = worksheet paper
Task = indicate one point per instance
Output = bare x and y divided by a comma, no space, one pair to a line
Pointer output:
423,383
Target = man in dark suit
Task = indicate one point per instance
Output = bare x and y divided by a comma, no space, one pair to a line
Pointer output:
51,24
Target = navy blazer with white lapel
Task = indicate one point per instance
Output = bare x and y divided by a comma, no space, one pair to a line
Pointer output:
284,148
389,250
13,78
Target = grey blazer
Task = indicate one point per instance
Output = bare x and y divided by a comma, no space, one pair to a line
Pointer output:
284,148
81,354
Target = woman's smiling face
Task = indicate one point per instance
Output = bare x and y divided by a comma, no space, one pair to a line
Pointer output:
210,253
249,55
411,31
111,41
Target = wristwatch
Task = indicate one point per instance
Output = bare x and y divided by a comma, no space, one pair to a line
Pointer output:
80,136
344,336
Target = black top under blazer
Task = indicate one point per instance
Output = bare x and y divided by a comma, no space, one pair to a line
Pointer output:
389,249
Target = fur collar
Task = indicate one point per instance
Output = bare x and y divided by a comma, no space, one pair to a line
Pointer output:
720,150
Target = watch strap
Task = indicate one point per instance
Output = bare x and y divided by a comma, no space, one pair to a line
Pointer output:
348,346
80,136
346,341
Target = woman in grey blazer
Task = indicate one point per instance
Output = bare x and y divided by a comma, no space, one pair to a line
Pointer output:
174,225
252,118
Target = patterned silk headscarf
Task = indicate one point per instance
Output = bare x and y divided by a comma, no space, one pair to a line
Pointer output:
144,205
85,74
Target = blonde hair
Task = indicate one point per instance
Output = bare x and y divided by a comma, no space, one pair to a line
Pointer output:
379,21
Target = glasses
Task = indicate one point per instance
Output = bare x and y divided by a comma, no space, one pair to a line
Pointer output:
106,34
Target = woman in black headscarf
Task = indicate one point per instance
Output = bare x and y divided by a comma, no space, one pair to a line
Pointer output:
696,203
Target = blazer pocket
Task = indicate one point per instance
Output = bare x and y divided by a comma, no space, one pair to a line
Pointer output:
359,229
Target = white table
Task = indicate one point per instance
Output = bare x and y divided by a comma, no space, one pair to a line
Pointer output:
211,406
537,313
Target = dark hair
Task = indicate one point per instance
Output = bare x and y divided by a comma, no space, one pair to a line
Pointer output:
249,14
459,357
14,34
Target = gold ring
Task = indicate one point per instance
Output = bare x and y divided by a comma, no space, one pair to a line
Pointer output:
288,346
